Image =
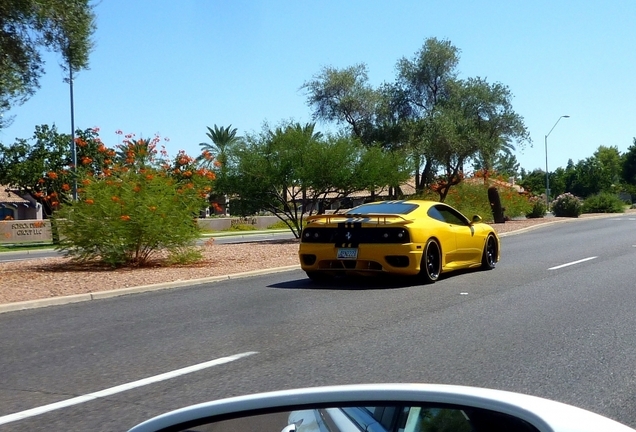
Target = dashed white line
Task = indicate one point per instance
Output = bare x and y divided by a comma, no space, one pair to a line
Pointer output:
572,263
120,388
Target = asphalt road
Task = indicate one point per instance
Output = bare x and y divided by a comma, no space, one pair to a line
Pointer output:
532,325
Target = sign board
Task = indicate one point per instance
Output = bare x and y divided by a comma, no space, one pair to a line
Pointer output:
23,231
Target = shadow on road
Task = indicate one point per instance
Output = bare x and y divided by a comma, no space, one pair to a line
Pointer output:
350,283
361,283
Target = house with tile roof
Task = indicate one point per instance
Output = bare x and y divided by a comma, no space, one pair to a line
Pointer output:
14,206
334,201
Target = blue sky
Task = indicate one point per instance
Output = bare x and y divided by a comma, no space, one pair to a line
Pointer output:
175,67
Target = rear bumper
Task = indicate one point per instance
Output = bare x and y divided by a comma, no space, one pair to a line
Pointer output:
399,259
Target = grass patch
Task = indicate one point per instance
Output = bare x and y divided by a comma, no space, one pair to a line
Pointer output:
278,225
16,247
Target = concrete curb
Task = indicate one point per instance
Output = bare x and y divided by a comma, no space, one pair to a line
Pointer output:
541,225
531,228
57,301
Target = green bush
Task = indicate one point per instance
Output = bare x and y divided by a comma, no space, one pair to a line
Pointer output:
603,202
514,203
125,218
472,198
183,256
539,208
567,205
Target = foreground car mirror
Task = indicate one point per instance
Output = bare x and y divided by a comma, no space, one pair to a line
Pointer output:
383,408
476,219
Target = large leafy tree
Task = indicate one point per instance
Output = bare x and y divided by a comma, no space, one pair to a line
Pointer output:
533,181
290,170
611,164
422,84
600,172
27,27
439,121
505,164
345,97
496,123
42,165
428,76
474,121
560,178
629,165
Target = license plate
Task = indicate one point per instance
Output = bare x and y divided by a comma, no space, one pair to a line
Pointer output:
347,253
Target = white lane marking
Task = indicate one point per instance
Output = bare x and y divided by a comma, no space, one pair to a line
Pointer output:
120,388
572,263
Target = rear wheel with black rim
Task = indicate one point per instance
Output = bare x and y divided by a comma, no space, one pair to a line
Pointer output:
431,266
489,256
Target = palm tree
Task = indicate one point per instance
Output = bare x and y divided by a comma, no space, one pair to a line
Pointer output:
222,138
138,153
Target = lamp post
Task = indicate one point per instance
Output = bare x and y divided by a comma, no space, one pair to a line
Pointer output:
73,147
547,174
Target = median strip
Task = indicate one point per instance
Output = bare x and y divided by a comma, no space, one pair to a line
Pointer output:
98,295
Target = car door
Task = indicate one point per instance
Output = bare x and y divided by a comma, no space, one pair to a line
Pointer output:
445,233
468,245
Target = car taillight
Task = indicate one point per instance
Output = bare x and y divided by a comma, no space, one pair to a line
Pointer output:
393,235
315,235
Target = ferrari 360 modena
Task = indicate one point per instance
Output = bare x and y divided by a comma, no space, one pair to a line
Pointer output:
408,237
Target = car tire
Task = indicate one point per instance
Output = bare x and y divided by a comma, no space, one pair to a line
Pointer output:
489,256
431,266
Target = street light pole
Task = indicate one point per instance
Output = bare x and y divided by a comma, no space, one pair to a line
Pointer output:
547,174
73,147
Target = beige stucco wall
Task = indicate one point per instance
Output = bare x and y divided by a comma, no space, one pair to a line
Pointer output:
22,231
220,224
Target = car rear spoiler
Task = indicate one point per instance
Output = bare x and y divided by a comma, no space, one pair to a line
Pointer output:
370,218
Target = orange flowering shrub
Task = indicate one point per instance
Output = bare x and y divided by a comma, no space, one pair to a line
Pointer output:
131,209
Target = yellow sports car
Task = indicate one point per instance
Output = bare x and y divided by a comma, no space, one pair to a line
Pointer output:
411,237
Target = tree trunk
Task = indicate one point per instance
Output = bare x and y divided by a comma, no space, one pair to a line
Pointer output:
495,205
